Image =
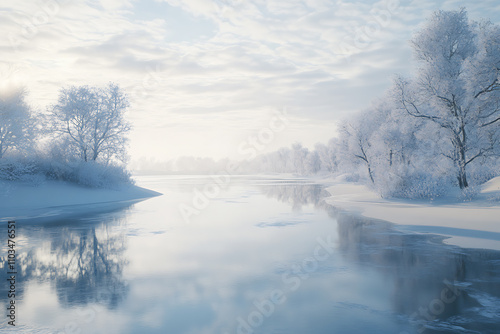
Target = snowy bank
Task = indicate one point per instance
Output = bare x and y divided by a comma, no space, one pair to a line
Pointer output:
56,199
474,224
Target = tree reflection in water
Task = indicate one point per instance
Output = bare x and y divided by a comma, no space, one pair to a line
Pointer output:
83,261
296,194
89,267
424,272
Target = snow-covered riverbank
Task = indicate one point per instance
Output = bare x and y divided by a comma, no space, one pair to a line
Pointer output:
55,199
473,224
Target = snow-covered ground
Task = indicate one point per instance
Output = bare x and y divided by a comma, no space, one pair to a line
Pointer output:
473,224
56,199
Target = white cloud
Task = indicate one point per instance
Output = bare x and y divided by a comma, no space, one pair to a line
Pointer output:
213,64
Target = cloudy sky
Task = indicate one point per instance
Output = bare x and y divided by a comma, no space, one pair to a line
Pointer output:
204,76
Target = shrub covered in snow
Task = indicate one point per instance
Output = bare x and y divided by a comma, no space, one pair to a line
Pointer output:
14,169
413,186
22,170
95,175
36,170
470,193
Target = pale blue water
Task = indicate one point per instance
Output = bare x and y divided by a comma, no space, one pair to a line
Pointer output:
265,255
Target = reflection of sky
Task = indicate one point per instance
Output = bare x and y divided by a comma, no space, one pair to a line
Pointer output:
199,278
212,271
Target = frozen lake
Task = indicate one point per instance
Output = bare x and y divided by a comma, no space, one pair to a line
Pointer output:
264,256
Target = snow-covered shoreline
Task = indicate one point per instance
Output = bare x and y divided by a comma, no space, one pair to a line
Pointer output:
474,224
57,199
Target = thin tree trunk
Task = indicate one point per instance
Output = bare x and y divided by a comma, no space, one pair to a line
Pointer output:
94,255
462,177
462,172
370,172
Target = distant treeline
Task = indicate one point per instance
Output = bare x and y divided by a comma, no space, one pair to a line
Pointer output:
431,132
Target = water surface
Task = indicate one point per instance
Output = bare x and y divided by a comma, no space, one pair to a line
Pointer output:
264,255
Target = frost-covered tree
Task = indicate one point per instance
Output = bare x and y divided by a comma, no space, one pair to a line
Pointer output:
91,120
396,137
298,158
403,153
16,122
457,87
312,164
356,141
328,155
